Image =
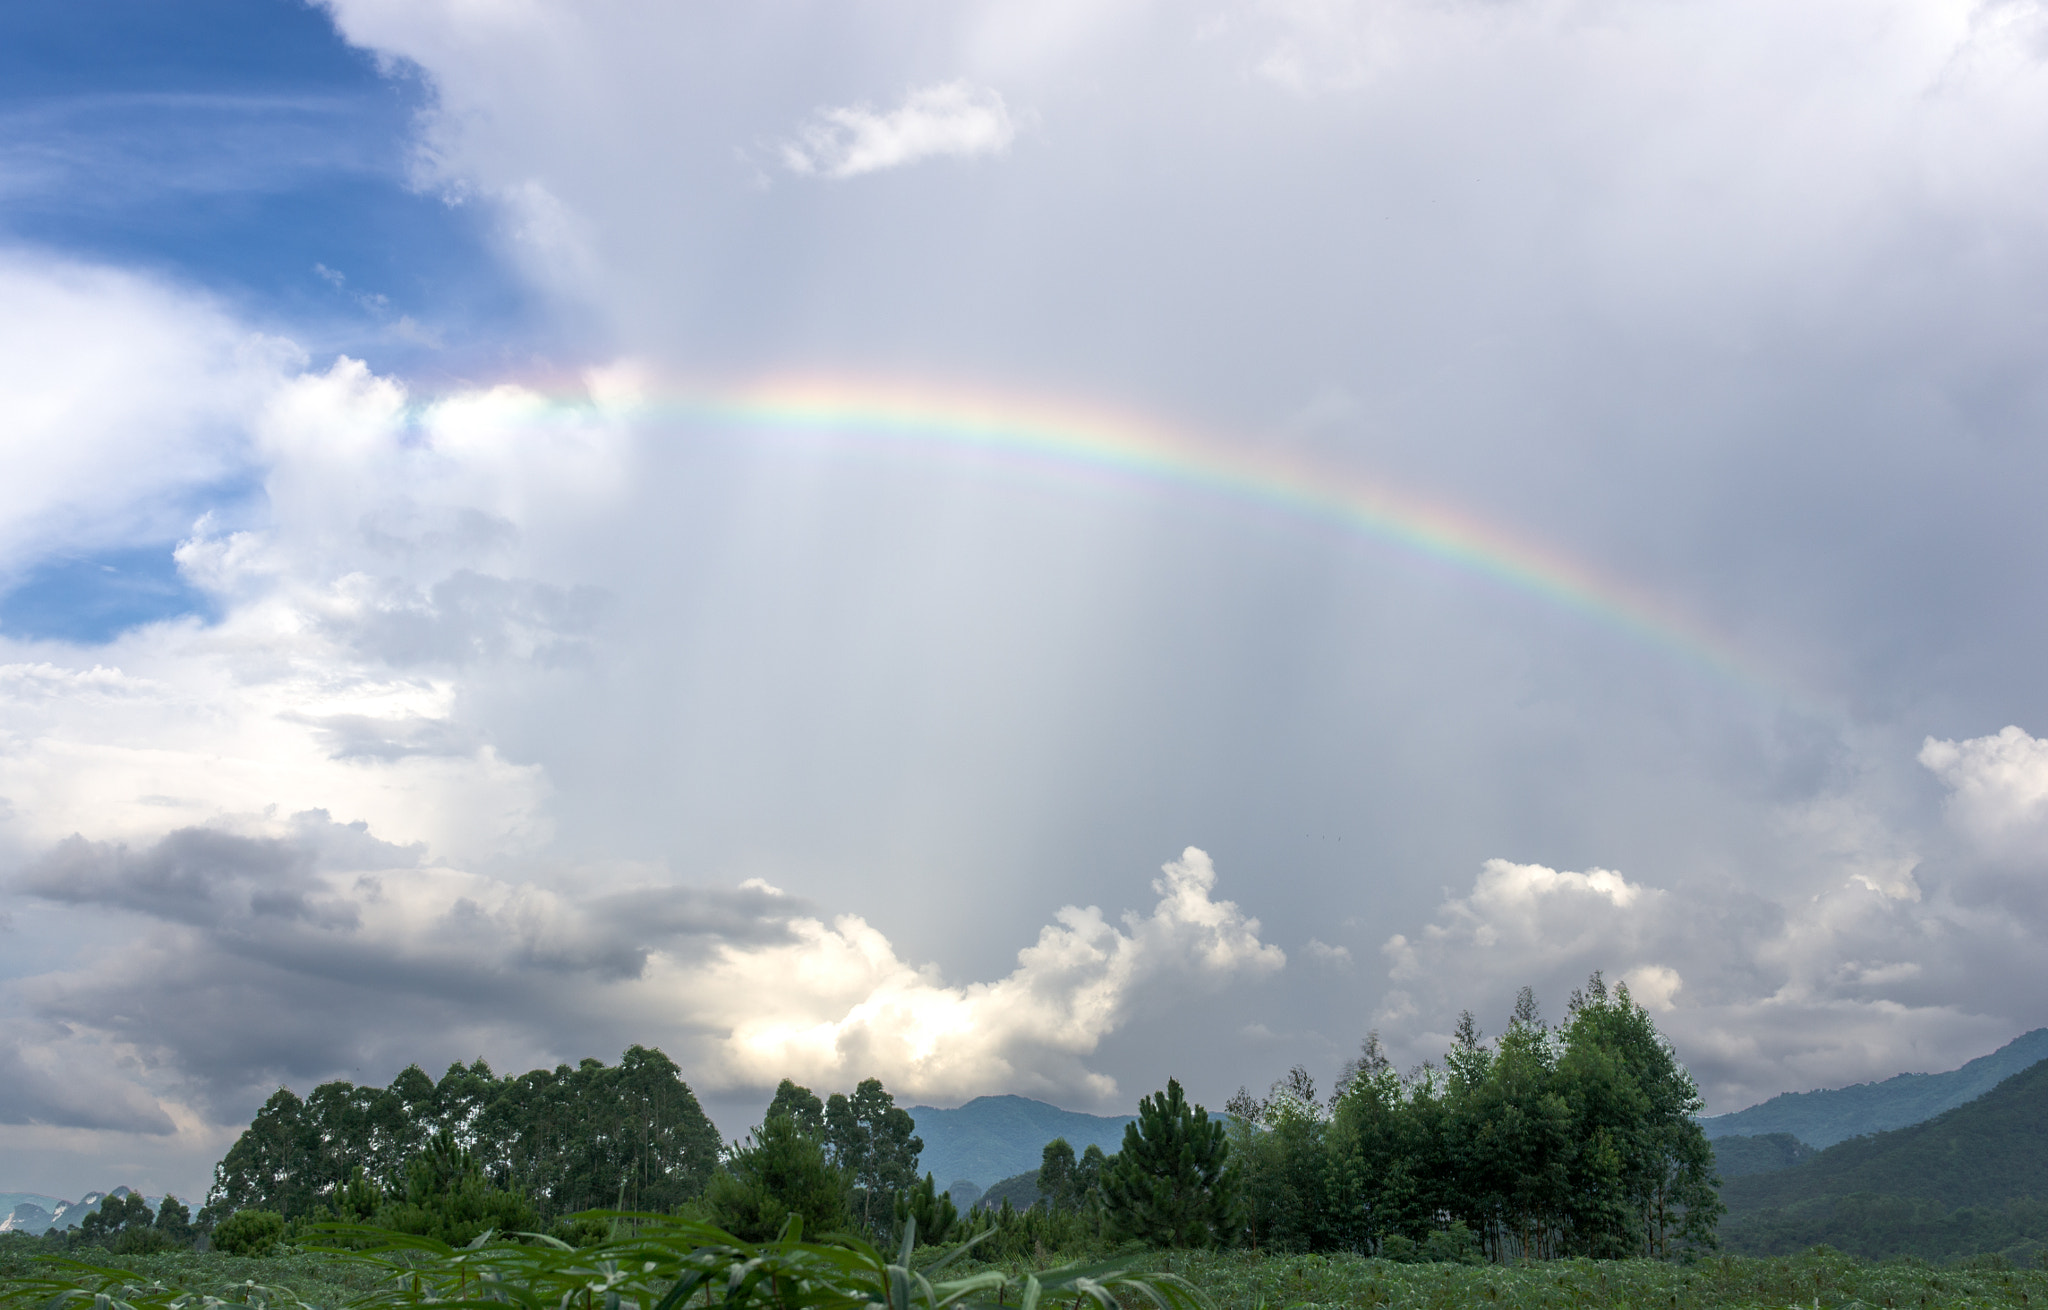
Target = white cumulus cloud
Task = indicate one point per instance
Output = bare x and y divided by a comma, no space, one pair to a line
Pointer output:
951,118
1998,787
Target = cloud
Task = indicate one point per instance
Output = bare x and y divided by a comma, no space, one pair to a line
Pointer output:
127,399
314,949
1323,955
1531,915
956,119
1998,789
54,1079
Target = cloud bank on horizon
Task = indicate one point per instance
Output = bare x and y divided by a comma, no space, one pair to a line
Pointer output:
487,710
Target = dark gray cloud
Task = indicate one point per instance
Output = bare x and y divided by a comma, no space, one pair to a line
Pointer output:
289,958
70,1088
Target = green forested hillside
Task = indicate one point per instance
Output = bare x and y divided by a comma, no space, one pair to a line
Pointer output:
1021,1191
1826,1117
1738,1157
1971,1180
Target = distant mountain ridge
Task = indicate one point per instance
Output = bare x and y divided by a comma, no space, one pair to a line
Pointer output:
32,1212
1823,1118
992,1138
1973,1179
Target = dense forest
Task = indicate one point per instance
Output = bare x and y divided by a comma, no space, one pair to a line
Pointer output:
1974,1179
1739,1157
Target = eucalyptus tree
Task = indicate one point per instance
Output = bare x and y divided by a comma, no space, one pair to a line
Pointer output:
875,1142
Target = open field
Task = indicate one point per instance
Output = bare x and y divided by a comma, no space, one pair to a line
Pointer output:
1243,1281
1237,1280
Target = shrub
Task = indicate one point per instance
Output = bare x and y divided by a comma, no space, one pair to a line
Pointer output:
249,1232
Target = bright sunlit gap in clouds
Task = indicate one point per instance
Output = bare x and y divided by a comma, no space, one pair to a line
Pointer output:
1189,537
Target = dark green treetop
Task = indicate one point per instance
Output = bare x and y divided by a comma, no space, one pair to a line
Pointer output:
781,1171
875,1141
800,1106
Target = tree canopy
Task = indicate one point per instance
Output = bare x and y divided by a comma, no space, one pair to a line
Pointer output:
571,1139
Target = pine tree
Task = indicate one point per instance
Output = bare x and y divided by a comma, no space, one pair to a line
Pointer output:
782,1171
936,1215
1169,1186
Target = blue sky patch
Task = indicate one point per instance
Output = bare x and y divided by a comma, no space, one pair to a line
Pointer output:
92,599
242,146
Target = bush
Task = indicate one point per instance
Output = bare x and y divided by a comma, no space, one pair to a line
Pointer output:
249,1232
781,1173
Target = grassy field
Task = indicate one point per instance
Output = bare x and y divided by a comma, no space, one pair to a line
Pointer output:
1242,1281
1245,1281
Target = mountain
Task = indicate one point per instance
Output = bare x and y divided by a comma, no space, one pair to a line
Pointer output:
32,1212
1739,1157
1826,1117
1973,1179
1021,1192
28,1212
992,1138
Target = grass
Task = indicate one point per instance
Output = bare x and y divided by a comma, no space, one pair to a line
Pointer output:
850,1277
1236,1280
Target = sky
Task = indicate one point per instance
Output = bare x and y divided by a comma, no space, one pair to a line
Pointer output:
1008,547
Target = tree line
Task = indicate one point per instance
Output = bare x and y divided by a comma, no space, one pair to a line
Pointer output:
1547,1142
473,1150
1543,1142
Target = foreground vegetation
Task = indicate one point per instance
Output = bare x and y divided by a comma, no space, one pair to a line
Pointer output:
849,1276
646,1262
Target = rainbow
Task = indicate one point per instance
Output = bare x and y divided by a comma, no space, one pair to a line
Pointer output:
1078,439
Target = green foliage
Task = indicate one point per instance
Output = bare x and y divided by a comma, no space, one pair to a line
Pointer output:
1286,1172
1544,1143
781,1173
123,1217
571,1139
1168,1187
875,1142
929,1213
800,1106
248,1232
659,1264
447,1198
1988,1151
1968,1181
1056,1166
1890,1226
173,1223
1739,1157
1019,1193
1241,1280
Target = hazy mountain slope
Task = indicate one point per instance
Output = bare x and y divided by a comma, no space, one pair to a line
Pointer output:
1021,1192
1738,1157
1826,1117
992,1138
1970,1180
